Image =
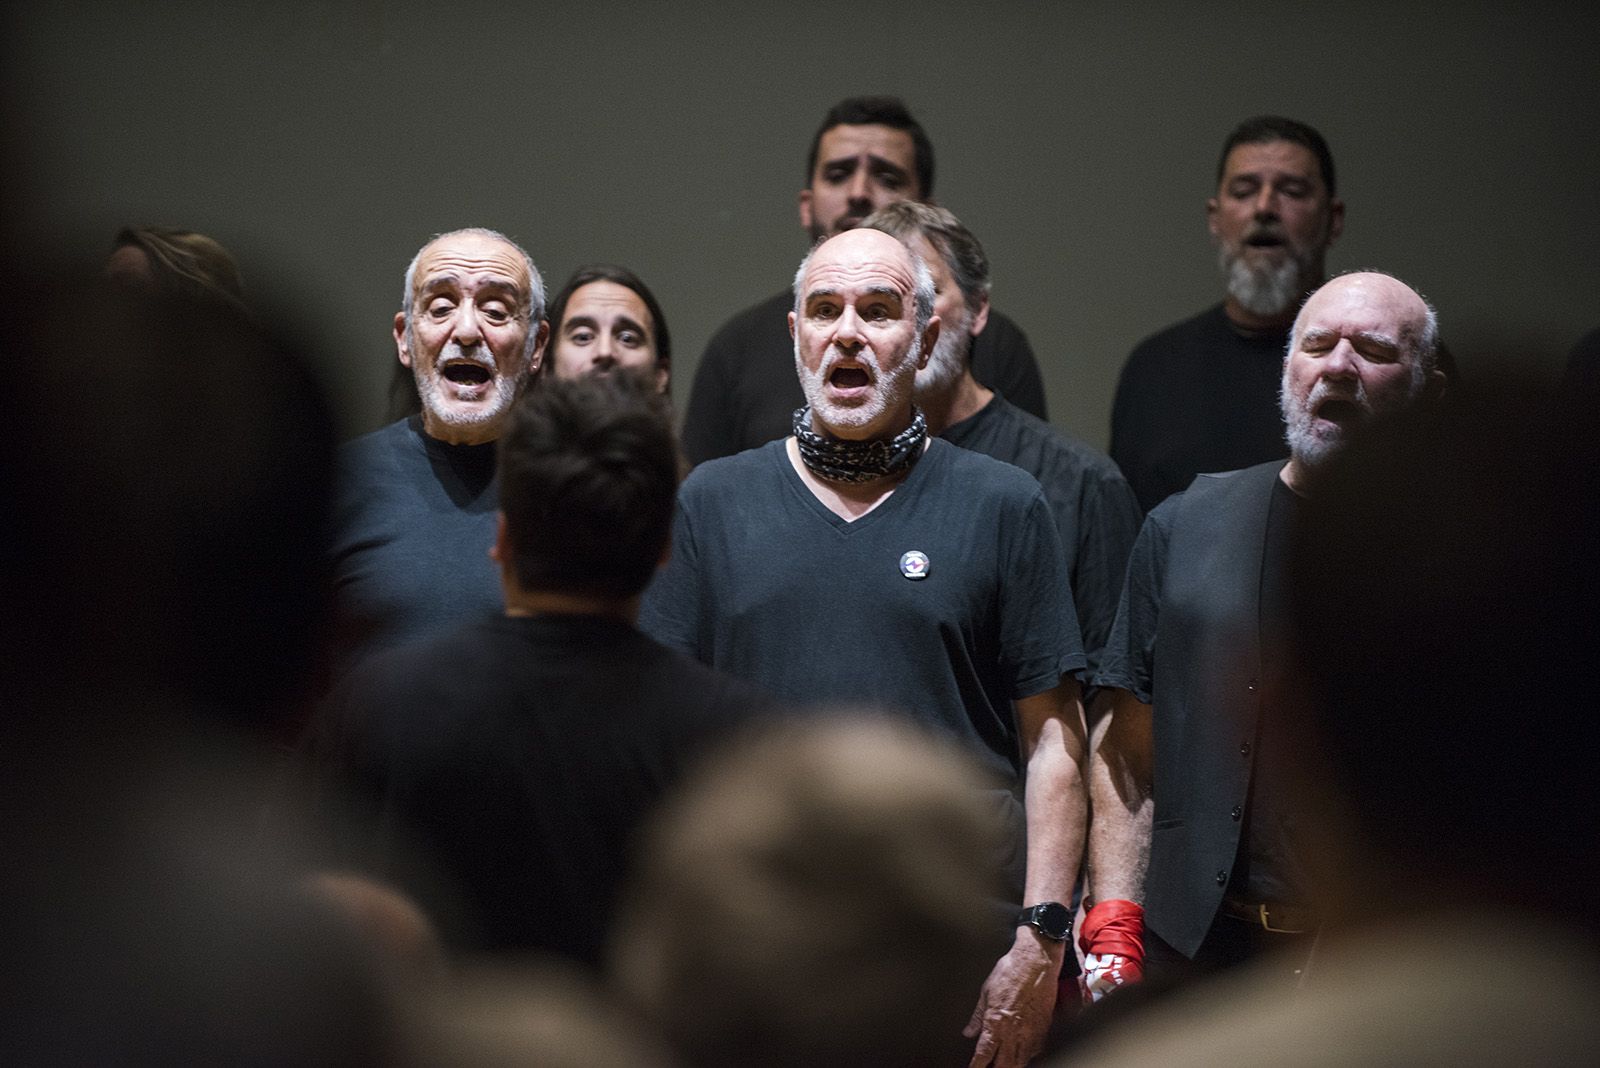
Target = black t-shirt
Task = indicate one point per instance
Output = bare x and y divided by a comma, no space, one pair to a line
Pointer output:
1199,396
499,773
768,584
1095,511
746,389
413,523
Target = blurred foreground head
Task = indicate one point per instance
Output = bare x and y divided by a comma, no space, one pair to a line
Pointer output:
167,476
817,896
1446,623
535,1015
180,262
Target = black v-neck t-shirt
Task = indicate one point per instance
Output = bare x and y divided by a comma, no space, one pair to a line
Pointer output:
768,584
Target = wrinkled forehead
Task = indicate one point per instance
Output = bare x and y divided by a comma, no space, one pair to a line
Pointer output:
1364,304
862,261
471,260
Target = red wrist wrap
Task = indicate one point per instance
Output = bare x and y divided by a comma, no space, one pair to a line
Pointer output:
1114,926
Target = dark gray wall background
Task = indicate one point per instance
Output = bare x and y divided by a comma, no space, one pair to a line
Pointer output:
325,142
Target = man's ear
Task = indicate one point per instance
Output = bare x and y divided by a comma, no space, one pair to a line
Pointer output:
1335,219
803,202
930,337
540,340
402,349
500,551
981,318
791,326
1435,384
1211,217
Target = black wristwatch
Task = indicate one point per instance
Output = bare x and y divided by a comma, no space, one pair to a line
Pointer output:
1052,919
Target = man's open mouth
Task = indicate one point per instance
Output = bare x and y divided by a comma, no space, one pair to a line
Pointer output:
849,378
1339,411
1259,240
466,374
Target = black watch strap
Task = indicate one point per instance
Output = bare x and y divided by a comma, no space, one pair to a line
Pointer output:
1051,918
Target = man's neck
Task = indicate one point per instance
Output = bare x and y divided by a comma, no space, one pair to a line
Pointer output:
520,602
1297,477
445,433
945,408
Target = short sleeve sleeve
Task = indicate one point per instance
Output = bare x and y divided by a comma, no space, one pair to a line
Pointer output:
671,610
1039,623
1129,660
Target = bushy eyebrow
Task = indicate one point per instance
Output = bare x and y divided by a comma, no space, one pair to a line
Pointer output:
1388,341
438,281
1372,337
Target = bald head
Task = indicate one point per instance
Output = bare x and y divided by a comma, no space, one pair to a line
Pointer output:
1362,346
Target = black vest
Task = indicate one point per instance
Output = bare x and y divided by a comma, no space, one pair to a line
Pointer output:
1207,697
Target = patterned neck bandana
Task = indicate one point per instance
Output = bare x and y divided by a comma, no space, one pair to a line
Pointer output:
859,461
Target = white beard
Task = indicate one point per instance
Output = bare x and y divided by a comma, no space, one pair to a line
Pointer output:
447,404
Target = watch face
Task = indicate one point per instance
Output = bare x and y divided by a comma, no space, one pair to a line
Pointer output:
1053,920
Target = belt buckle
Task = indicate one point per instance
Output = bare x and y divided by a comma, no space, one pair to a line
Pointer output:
1266,923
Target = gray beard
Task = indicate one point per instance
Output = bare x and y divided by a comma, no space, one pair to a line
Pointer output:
949,360
887,395
1311,449
1267,290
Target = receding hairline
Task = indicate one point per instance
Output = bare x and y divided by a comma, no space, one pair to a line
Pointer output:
861,237
516,255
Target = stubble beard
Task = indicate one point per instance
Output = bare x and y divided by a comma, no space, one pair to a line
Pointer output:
1313,448
948,361
888,391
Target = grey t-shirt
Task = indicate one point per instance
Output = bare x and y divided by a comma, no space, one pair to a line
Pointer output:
413,523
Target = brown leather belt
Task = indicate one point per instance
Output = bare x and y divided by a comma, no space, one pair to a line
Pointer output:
1279,919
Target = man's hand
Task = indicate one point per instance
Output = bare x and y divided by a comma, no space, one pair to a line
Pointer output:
1016,1003
1112,939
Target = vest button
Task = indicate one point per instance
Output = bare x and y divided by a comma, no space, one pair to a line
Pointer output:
1237,812
1252,686
1222,878
1244,748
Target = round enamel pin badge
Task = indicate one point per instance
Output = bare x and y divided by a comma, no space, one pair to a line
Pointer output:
914,565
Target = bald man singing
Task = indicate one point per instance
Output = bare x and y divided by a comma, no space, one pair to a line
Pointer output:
859,561
1195,862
